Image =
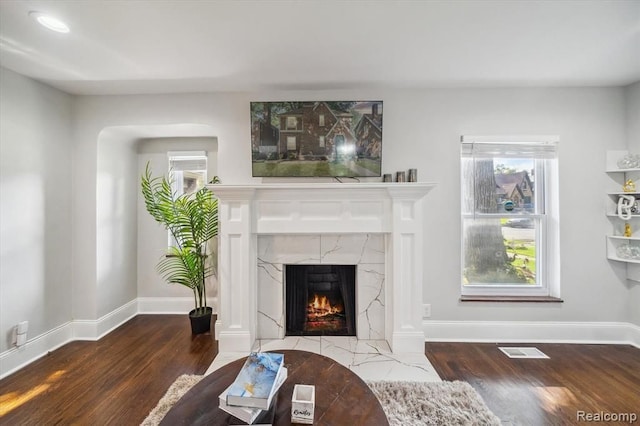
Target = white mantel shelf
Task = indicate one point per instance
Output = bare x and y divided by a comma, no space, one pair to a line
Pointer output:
418,189
392,209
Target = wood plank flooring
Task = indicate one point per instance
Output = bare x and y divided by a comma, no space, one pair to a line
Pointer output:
114,381
588,378
120,378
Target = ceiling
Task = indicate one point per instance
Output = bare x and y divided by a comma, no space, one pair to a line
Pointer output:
132,47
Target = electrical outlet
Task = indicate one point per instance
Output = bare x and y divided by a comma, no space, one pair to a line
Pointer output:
426,310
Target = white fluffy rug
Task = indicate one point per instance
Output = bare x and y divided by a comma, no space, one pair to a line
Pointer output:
404,403
173,394
432,403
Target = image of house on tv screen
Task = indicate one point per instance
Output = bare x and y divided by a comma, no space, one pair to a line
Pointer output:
316,139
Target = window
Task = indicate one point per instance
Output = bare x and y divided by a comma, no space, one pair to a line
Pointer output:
292,123
509,216
321,120
291,143
188,173
321,141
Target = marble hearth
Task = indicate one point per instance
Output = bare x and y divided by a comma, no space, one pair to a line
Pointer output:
375,226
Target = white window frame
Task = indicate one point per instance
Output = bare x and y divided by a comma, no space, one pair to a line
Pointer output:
547,229
321,141
176,176
292,123
321,120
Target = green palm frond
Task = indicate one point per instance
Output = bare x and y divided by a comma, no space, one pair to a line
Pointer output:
192,219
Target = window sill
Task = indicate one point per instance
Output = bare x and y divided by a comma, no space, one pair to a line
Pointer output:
528,299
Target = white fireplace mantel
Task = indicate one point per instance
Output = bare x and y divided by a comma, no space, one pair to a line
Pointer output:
392,209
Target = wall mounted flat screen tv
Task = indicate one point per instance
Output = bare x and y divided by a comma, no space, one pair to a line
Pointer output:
316,139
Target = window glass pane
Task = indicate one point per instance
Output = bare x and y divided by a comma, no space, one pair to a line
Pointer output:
193,180
500,250
291,143
499,185
188,174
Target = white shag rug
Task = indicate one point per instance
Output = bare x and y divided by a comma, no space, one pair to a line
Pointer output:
404,403
173,394
432,403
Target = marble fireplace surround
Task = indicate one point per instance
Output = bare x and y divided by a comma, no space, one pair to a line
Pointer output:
376,226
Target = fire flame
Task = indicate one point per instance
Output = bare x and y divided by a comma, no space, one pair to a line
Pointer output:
320,306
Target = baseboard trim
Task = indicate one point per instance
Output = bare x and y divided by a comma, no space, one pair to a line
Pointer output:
407,342
534,332
95,329
442,331
16,358
170,305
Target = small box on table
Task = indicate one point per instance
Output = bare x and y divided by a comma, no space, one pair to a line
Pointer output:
303,403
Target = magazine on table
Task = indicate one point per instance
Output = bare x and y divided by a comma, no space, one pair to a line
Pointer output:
256,382
250,415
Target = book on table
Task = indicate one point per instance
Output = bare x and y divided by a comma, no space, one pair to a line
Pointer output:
255,384
251,415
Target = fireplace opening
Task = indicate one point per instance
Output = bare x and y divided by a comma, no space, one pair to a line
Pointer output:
320,300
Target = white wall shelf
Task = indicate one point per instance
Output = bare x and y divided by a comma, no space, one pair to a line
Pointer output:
622,193
616,179
616,170
623,238
620,259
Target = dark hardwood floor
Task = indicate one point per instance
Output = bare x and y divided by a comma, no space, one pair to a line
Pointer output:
114,381
120,378
577,378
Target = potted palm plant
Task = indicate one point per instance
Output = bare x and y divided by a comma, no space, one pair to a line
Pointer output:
192,219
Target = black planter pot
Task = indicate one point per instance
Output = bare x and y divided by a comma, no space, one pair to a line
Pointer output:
200,323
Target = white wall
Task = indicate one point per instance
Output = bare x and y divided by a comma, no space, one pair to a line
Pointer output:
422,130
35,206
116,222
589,121
632,96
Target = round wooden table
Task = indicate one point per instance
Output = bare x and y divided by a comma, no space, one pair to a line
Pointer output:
342,398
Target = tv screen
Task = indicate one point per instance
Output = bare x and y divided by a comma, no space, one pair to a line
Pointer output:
316,139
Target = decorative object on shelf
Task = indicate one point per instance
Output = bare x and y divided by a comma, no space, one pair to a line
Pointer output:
400,177
303,402
625,205
627,230
629,161
627,251
629,186
387,177
413,175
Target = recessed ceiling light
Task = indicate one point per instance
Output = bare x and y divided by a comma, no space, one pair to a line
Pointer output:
47,21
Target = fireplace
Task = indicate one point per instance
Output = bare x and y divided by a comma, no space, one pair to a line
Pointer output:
376,226
320,300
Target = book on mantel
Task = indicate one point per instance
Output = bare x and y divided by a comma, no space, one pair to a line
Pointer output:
251,415
255,384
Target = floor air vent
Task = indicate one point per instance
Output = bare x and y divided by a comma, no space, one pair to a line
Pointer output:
531,353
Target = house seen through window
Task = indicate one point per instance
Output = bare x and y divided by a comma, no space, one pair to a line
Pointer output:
508,243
